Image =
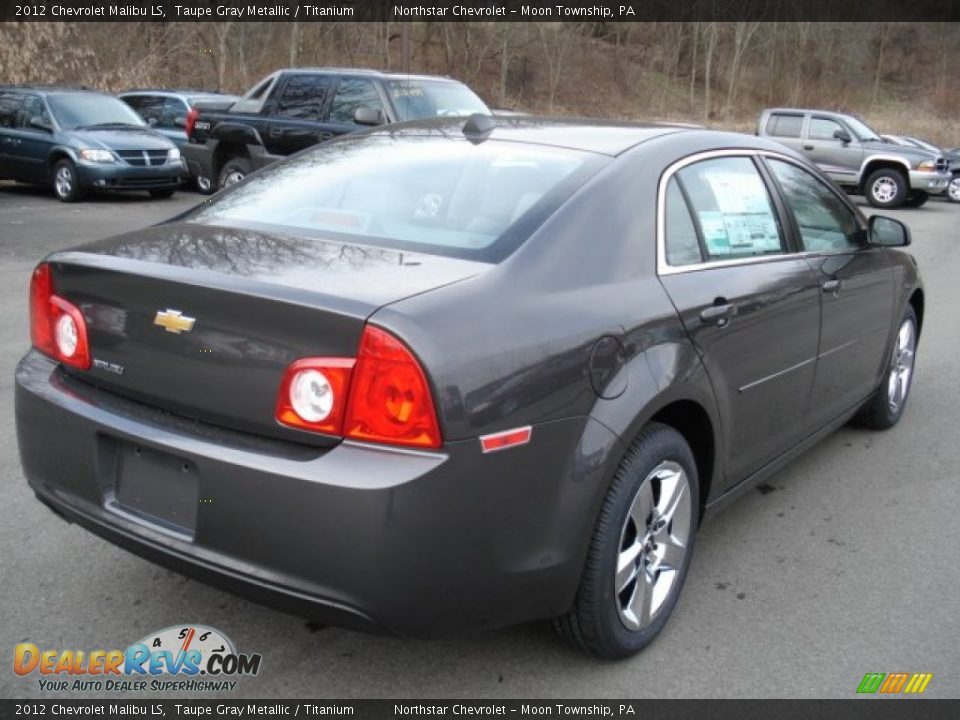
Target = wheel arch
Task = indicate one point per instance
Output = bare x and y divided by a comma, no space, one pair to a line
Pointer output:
917,303
879,162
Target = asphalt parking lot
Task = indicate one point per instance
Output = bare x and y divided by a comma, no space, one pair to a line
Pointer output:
844,564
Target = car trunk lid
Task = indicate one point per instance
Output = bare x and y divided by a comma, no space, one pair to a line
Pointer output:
202,321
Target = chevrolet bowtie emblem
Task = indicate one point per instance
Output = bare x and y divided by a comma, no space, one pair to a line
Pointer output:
174,321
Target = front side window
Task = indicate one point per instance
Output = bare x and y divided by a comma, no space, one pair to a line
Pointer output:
303,97
823,128
352,94
33,110
437,196
732,209
824,220
788,126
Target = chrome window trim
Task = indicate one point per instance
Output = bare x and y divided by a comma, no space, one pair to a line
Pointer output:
664,268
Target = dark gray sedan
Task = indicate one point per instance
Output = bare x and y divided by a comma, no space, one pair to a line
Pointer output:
446,376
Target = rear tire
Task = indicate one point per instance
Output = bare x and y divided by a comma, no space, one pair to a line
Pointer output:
66,184
886,188
640,550
162,193
233,171
885,407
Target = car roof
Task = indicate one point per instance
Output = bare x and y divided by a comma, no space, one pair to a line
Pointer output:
798,111
367,72
604,137
51,89
175,91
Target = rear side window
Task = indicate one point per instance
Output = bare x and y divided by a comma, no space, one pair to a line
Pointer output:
732,209
788,126
824,220
438,196
9,109
303,97
683,244
352,94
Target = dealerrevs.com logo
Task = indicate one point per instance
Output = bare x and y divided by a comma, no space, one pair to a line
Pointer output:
180,658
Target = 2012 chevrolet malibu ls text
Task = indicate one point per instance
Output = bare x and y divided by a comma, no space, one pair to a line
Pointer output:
444,375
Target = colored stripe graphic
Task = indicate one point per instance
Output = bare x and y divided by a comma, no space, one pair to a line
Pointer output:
871,682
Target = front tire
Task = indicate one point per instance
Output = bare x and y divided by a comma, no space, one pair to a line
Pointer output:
66,184
233,171
885,407
953,189
916,198
640,550
886,188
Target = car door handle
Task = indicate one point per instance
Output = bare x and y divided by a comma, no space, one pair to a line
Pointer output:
830,286
275,131
719,314
324,136
808,147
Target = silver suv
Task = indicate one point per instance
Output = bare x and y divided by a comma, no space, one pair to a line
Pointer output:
856,158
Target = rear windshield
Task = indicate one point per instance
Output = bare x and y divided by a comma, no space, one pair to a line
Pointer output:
83,110
424,194
418,99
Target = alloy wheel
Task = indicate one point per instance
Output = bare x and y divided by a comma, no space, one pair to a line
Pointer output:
953,189
884,189
901,365
232,178
653,545
63,181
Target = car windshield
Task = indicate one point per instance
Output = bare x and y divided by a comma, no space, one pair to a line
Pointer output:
423,194
81,110
863,131
417,99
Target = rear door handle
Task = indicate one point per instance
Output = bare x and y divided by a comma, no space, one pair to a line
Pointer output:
719,314
830,286
275,131
808,147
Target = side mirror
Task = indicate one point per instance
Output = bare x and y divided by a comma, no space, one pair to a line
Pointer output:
180,121
887,232
367,116
38,122
842,135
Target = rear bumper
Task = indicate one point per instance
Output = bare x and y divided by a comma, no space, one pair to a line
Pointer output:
415,543
119,176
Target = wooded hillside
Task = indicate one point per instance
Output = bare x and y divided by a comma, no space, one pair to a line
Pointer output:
901,77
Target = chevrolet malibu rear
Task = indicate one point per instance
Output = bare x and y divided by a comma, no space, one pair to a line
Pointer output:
424,380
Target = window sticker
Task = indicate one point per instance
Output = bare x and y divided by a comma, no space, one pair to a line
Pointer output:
714,232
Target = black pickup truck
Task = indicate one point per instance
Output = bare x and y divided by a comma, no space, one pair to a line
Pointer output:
293,109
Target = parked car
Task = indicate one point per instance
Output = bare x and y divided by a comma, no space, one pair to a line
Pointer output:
856,158
166,110
952,191
294,109
446,376
79,140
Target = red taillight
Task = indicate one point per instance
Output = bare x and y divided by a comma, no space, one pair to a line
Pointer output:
57,327
383,396
192,114
313,394
390,400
